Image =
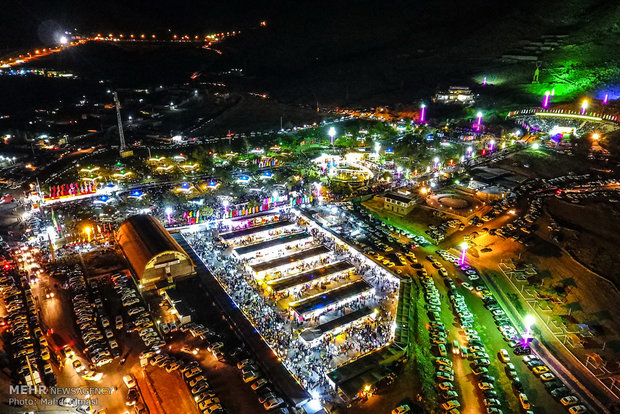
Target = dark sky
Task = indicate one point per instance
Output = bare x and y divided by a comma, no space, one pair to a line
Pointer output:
27,22
22,21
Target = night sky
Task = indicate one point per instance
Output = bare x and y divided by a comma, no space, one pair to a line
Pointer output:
25,22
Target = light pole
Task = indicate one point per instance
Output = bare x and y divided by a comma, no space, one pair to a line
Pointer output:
169,214
87,230
584,106
529,320
332,134
479,121
491,145
546,99
464,247
422,113
377,148
435,162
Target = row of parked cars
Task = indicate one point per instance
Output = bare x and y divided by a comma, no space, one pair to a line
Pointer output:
438,334
476,353
194,377
264,391
87,314
554,385
27,345
137,318
250,373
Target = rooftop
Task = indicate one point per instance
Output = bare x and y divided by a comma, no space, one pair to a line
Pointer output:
272,243
253,230
143,237
280,261
305,277
399,197
315,333
331,297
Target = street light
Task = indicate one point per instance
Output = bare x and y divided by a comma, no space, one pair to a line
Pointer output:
584,106
491,145
332,134
169,214
88,230
529,320
435,162
546,99
479,122
595,136
464,247
422,113
377,148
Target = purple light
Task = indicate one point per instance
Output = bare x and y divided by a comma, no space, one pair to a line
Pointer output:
546,100
423,113
479,122
606,99
484,81
464,246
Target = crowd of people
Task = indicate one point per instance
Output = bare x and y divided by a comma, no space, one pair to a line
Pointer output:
280,328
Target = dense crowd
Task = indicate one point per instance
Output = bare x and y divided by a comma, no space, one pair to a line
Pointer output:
308,362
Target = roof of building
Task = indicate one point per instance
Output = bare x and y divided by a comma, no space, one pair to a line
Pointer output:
331,297
281,261
143,237
399,197
492,189
272,243
311,334
309,276
255,229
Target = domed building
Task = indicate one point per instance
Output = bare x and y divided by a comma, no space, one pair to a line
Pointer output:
156,259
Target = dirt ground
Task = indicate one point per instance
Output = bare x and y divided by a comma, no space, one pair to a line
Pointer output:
101,262
537,163
590,300
589,233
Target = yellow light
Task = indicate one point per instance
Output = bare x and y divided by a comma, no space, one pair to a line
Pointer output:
595,136
423,190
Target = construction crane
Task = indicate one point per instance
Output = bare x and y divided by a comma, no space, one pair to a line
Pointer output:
123,148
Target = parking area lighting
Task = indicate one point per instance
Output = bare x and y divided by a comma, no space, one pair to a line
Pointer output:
464,247
529,321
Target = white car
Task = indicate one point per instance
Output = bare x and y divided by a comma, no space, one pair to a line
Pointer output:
78,366
272,403
129,381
